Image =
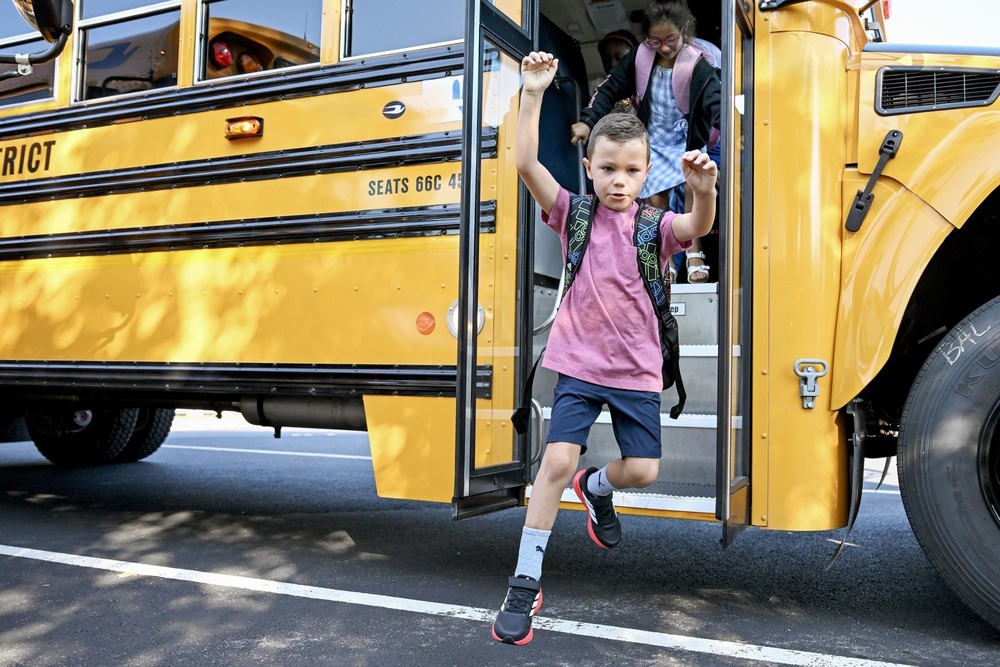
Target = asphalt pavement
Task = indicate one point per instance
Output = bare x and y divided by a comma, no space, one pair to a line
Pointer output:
230,547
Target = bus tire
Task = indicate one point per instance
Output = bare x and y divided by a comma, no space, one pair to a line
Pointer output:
949,459
59,439
152,428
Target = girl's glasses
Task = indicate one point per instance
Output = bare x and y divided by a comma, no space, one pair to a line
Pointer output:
656,43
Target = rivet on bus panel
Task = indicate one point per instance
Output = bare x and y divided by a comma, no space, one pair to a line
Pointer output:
245,127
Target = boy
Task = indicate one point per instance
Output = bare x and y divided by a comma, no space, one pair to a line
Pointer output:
605,341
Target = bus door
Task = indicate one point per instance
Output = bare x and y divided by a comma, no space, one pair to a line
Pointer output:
735,259
494,346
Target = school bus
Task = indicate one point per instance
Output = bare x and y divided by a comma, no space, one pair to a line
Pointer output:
310,215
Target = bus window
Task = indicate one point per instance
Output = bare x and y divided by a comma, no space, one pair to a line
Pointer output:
248,36
36,86
92,8
16,36
375,26
124,53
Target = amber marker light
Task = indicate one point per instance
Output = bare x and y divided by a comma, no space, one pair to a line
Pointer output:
248,63
244,128
425,323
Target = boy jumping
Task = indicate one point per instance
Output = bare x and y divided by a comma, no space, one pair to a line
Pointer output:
605,342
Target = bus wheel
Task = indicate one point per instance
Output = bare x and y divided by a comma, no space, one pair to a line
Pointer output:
151,429
81,437
949,459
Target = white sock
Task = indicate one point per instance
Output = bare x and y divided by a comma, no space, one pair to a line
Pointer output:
529,557
598,483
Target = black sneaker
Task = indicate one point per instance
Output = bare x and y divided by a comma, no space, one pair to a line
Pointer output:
513,623
603,524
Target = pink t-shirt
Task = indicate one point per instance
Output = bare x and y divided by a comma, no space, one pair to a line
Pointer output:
607,331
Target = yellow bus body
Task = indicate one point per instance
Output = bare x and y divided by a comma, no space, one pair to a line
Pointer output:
341,304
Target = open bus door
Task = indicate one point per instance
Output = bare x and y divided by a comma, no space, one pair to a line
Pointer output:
491,460
736,265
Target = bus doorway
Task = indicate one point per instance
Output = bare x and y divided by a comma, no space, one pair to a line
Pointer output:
704,474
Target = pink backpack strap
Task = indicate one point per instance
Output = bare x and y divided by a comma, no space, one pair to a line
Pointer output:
683,71
645,56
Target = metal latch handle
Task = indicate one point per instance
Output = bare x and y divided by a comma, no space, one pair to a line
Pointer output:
809,370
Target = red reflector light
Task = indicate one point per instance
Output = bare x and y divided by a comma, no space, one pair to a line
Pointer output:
425,323
222,55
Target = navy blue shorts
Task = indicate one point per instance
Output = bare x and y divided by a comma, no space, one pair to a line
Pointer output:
635,416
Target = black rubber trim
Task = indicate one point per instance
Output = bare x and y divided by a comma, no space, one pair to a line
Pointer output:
60,377
318,228
424,149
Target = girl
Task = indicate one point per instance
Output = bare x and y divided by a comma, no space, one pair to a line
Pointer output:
677,94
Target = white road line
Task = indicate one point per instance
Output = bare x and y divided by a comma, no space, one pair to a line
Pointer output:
273,452
766,654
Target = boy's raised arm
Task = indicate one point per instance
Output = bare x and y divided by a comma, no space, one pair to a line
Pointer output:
537,72
700,175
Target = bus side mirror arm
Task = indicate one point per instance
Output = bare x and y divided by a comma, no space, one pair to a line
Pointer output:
25,61
863,200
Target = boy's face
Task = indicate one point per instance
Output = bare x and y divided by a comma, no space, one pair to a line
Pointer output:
618,171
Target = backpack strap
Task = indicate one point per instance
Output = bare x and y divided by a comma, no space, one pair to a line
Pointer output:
681,78
645,56
581,214
647,243
522,415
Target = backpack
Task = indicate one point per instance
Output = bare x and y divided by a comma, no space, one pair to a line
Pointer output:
646,239
684,65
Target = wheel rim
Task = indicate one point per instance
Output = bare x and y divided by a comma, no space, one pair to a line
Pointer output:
989,462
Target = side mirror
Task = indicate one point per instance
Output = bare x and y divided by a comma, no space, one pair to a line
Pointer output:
52,18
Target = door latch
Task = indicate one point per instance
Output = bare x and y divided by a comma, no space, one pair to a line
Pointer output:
809,370
863,200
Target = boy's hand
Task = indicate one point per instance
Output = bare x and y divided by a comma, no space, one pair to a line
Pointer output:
537,71
700,172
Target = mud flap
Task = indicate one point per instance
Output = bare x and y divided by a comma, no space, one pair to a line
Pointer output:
857,412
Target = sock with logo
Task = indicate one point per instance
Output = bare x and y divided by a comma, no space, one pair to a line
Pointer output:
598,483
529,557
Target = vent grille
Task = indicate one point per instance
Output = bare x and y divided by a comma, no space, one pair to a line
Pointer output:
904,90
